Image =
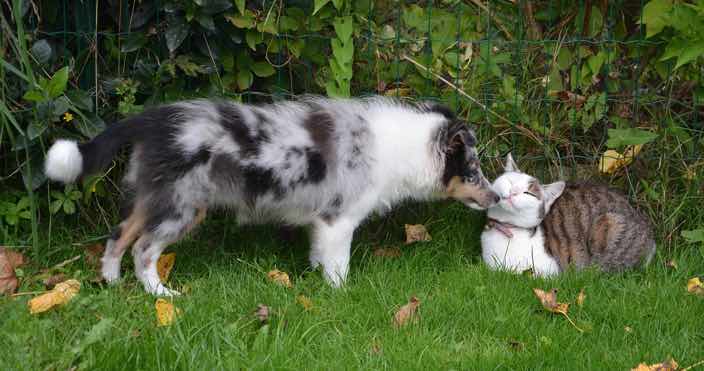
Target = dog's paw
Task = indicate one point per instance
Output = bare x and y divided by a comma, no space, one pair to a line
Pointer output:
161,290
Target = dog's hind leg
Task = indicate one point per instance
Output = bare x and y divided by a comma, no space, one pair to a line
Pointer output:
149,247
121,238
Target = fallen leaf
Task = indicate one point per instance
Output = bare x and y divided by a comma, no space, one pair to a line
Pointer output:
695,286
93,254
61,294
387,252
581,297
135,333
406,312
280,278
375,348
416,232
672,264
305,302
52,281
164,265
549,301
166,312
669,365
8,279
262,313
611,160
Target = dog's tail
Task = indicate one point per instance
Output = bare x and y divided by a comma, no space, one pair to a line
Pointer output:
68,160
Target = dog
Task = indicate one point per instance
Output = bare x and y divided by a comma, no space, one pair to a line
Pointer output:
325,163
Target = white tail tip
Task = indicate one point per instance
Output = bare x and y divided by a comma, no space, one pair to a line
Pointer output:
63,161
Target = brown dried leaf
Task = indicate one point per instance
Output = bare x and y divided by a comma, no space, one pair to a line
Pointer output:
8,279
669,365
280,278
166,312
406,312
52,281
576,100
695,286
164,265
549,301
262,313
416,232
305,302
61,294
93,254
387,252
672,264
581,297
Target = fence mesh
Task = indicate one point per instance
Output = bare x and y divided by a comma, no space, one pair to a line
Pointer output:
547,88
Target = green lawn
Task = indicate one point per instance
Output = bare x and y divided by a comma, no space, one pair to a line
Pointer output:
470,318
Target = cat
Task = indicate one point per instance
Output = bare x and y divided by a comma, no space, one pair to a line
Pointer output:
548,228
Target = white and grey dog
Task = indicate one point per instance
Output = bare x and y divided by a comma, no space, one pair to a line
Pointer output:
319,162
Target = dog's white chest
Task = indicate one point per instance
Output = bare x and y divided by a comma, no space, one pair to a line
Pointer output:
519,253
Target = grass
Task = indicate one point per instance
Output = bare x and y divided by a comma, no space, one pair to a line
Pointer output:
470,317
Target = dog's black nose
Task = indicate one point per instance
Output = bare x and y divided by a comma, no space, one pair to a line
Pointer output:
497,199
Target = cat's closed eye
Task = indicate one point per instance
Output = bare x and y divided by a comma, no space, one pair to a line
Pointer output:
530,194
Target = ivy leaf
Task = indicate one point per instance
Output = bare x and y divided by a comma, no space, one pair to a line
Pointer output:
42,51
175,34
244,20
210,7
318,4
55,206
262,69
69,207
58,82
343,52
656,16
244,79
33,96
694,236
343,28
629,137
133,42
253,38
240,5
693,51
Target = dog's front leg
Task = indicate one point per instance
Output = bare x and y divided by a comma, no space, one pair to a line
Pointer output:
330,248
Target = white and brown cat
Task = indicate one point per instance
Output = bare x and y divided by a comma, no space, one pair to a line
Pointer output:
548,228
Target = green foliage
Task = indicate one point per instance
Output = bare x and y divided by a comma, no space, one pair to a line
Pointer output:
579,82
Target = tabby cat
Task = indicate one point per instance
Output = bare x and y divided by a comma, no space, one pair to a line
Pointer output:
547,228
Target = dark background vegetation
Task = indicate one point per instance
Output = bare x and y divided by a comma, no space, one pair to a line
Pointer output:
558,83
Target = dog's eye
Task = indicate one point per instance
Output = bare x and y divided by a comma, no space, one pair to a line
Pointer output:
530,194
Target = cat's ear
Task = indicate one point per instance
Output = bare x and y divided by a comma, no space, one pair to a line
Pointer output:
551,192
510,165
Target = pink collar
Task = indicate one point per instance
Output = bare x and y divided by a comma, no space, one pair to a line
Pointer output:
505,228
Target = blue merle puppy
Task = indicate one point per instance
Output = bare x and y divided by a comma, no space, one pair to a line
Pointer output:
319,162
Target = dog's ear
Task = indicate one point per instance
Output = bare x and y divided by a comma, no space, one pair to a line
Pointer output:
461,138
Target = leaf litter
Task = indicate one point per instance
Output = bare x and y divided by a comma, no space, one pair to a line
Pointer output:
61,294
166,312
280,278
164,266
416,233
407,313
9,261
550,303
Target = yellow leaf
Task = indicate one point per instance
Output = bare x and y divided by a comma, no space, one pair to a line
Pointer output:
280,278
611,161
416,233
305,302
164,265
406,312
549,301
581,297
695,286
59,295
166,312
669,365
